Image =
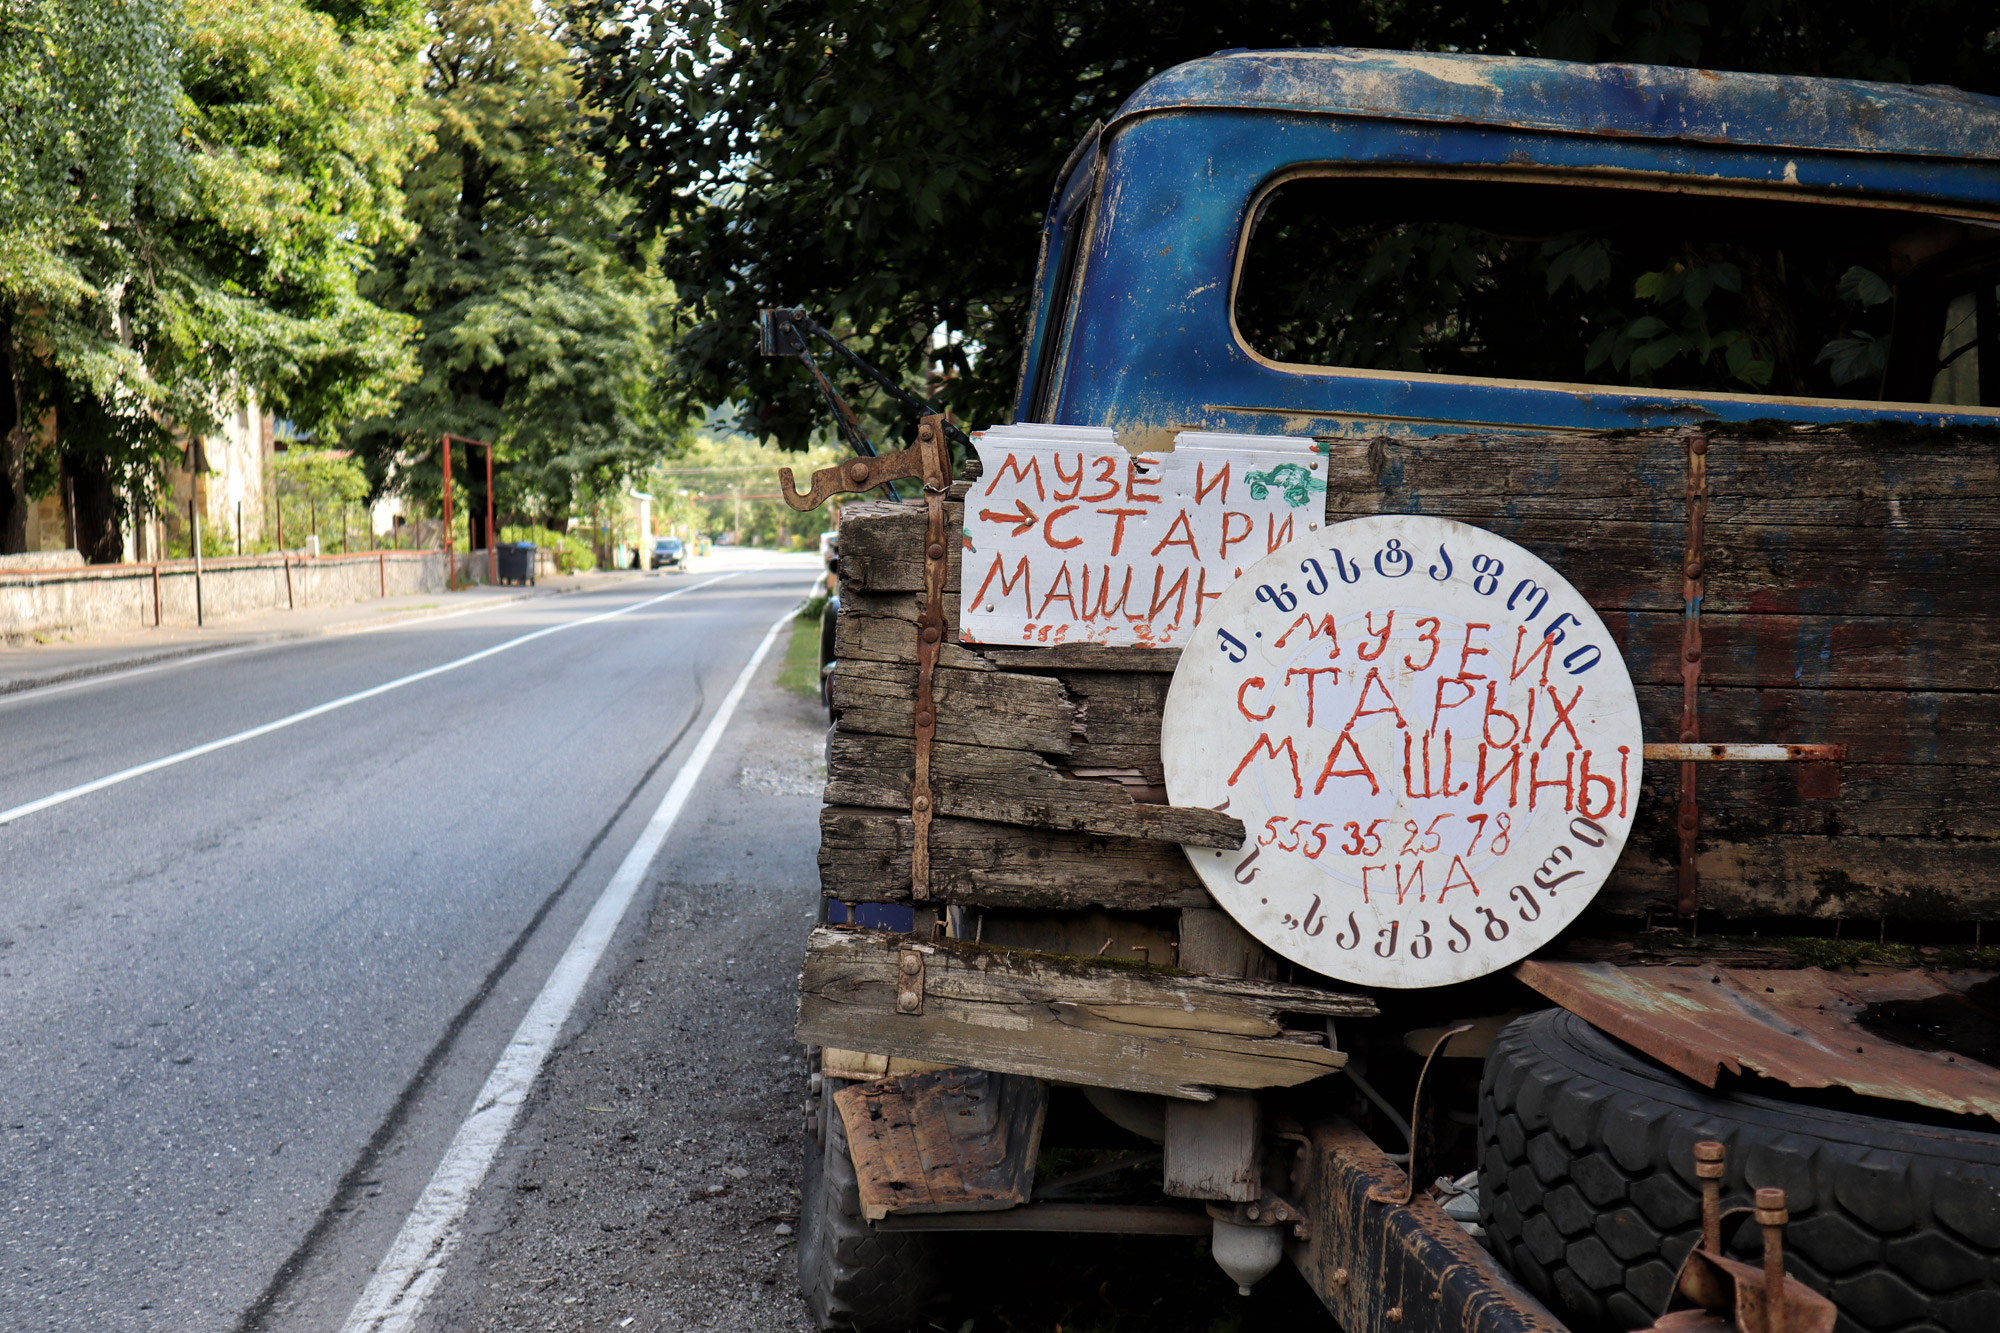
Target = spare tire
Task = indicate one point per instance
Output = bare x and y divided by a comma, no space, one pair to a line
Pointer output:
1587,1189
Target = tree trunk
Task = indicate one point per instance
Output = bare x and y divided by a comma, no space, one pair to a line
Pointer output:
13,446
89,482
99,511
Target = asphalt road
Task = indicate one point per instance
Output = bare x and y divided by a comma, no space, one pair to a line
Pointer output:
247,999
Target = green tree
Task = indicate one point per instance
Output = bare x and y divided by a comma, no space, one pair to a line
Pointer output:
726,482
888,165
87,112
319,489
540,329
200,241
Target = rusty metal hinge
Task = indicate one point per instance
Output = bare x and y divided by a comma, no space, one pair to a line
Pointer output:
928,460
930,643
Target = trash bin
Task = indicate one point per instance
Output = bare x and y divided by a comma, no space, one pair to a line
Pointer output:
517,562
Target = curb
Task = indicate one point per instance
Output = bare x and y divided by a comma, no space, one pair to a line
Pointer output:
113,666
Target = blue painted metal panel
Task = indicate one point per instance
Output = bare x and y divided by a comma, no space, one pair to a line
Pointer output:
1153,348
1646,101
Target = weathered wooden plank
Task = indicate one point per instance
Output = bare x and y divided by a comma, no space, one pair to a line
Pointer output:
882,627
1793,875
864,856
1878,726
998,709
1211,941
1887,529
1744,802
1214,1150
1634,567
1011,787
1834,479
1083,657
1068,1019
1118,708
1815,651
882,546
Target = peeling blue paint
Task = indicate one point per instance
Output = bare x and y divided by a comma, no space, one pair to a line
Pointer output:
1164,195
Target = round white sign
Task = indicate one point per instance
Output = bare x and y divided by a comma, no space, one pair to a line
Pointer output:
1430,738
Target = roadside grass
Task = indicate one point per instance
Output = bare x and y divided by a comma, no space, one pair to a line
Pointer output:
800,673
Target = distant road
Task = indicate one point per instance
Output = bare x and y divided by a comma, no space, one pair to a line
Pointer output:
247,997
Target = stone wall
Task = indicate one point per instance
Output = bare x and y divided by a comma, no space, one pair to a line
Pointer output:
98,599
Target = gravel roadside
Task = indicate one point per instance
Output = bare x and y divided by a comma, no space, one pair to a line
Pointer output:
652,1181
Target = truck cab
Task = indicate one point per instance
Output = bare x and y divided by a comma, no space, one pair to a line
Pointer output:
1720,350
1326,243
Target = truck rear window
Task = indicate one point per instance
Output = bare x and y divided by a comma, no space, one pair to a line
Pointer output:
1650,288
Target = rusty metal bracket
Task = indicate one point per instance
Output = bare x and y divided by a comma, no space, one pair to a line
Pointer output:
910,981
1689,820
1818,765
928,460
855,475
1728,1296
1270,1209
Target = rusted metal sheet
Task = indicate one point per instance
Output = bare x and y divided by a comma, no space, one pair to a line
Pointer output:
1406,1267
952,1140
1802,1027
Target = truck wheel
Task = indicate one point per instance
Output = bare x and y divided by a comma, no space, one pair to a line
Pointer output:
1587,1189
853,1276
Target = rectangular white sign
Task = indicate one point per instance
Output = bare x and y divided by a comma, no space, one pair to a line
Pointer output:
1070,539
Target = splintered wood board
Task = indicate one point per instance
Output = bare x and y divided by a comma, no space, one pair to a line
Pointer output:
1070,1019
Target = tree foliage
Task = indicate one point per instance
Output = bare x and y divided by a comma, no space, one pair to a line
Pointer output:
198,186
887,165
539,328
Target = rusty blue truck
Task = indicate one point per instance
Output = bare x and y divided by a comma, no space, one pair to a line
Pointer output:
1720,350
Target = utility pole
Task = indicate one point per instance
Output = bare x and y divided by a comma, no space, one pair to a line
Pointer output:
278,503
450,566
492,537
194,528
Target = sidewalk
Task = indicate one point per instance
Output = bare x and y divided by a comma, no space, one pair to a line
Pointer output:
37,665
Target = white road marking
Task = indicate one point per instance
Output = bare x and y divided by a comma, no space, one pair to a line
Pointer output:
282,640
409,1273
319,710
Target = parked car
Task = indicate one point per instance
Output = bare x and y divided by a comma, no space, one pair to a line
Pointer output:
669,553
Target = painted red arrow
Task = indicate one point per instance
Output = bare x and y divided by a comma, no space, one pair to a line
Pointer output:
1022,519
